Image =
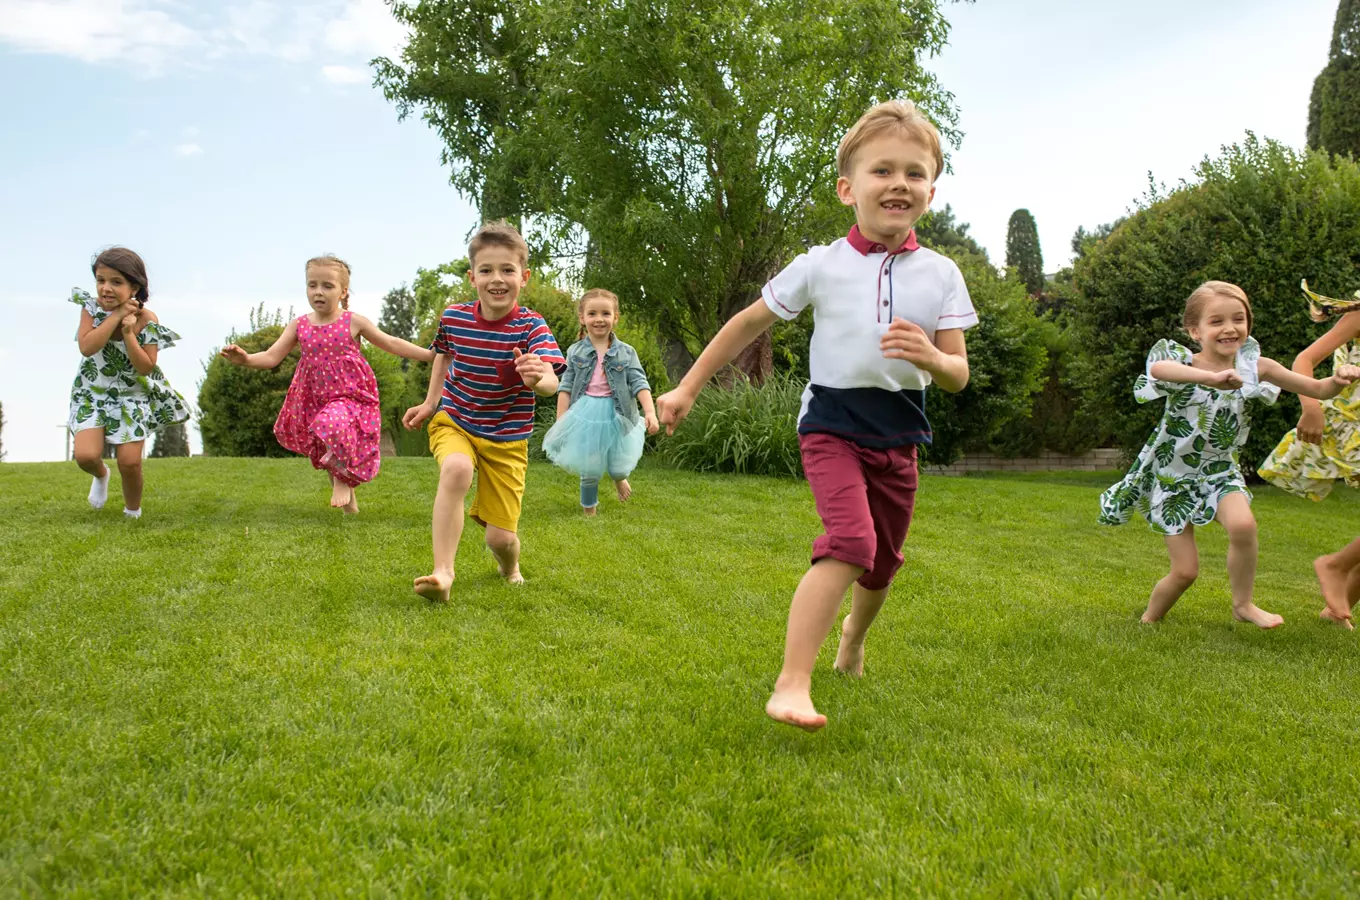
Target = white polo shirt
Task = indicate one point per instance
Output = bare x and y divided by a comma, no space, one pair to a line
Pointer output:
856,288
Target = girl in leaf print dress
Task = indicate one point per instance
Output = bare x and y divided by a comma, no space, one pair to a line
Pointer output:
1187,474
120,394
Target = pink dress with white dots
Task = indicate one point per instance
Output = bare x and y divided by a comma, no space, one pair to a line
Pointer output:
331,412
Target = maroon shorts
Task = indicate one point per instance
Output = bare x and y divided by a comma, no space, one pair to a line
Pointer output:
865,497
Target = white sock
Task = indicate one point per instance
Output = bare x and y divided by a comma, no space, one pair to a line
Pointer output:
132,513
99,490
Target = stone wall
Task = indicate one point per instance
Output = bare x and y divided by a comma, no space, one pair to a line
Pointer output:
1048,461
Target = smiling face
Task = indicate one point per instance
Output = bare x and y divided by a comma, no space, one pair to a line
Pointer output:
598,317
113,288
326,288
1222,328
498,276
890,185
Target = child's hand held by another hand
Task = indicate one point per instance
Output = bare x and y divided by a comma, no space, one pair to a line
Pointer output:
671,409
653,426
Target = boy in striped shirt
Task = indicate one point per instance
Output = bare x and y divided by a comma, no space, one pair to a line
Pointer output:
491,357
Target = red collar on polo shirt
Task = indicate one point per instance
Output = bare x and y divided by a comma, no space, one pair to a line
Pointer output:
866,246
483,320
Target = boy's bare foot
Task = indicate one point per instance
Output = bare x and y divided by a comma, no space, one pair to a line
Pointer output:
795,708
1257,616
591,510
850,655
624,488
1333,584
435,586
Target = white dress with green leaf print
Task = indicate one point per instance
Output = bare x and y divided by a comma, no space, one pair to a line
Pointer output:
108,392
1190,463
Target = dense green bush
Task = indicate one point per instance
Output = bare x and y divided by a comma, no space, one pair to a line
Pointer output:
1262,216
744,429
1006,360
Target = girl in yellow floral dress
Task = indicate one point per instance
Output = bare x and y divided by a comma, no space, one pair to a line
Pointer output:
1325,447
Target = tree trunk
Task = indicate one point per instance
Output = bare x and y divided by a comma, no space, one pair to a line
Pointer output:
756,362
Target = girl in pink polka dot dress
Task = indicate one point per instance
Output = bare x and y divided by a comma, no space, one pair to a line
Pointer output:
331,413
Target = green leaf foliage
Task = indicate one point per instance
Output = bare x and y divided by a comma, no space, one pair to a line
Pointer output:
1260,215
680,152
1023,253
743,429
1006,360
1334,104
237,406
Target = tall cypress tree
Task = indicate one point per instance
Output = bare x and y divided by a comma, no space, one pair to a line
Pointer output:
1334,105
172,440
1022,251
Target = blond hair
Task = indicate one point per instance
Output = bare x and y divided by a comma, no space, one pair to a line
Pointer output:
892,115
330,260
498,234
1194,304
595,294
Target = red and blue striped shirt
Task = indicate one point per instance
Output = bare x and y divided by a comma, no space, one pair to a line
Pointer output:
483,392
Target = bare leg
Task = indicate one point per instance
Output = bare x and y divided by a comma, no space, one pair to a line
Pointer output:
342,495
1184,570
864,607
130,470
814,608
352,506
455,477
89,450
1234,514
504,545
1335,573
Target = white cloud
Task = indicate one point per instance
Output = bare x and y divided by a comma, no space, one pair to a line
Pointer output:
96,30
188,150
345,75
366,27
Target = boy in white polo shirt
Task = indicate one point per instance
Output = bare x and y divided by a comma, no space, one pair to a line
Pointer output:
888,319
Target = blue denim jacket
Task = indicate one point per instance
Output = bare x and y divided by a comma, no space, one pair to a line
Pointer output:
622,369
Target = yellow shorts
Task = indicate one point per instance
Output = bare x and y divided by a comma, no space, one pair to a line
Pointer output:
500,468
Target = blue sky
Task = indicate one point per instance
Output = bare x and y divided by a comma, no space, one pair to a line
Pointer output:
228,142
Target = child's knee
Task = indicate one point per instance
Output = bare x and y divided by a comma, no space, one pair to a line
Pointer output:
455,472
500,540
1185,572
129,467
1242,530
88,459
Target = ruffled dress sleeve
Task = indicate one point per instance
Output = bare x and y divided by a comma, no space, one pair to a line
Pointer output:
158,334
1253,388
83,299
1148,388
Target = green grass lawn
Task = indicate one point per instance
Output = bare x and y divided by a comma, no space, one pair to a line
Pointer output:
240,695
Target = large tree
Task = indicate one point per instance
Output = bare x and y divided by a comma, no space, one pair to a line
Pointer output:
681,151
1023,253
172,440
1334,106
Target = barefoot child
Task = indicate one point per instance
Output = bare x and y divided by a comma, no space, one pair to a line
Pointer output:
1188,473
119,395
491,357
331,413
598,428
1325,447
888,320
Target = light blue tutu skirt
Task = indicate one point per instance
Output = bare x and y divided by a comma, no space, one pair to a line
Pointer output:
593,440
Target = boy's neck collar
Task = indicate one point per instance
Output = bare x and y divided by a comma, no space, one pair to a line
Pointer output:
483,320
866,246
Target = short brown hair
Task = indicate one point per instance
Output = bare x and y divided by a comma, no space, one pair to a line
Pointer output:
498,234
1194,304
129,265
893,115
330,260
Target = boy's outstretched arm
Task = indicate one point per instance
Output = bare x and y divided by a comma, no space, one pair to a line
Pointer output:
740,331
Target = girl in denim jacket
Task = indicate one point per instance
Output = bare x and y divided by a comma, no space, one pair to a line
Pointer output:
598,429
